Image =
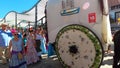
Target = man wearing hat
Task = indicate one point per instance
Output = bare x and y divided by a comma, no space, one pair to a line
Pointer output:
3,42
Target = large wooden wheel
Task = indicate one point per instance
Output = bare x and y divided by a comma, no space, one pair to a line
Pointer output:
78,47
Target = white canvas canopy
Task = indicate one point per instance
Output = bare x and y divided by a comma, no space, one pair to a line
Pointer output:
22,19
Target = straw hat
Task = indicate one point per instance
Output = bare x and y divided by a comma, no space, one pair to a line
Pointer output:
3,24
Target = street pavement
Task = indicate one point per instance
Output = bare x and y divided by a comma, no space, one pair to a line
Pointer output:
52,62
108,59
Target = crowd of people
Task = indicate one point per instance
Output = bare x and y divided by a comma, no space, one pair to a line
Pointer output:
22,47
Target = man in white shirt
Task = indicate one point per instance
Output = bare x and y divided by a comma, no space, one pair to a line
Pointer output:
3,42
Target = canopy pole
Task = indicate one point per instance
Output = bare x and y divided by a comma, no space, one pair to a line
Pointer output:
16,20
35,17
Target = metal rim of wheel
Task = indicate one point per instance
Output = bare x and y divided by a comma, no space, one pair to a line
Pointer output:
78,47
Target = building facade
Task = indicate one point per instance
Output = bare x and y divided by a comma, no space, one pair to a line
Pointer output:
114,7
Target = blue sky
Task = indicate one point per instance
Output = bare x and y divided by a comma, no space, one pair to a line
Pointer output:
15,5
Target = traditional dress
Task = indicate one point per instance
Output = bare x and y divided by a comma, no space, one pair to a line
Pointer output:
43,45
38,43
15,62
31,53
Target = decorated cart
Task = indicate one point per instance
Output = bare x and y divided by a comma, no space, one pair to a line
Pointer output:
80,30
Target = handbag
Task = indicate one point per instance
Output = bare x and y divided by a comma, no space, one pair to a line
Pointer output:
20,56
7,54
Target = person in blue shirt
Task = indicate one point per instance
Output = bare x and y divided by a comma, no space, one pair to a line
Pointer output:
3,42
9,33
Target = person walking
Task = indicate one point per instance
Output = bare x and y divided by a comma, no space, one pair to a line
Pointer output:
31,53
38,42
43,42
16,49
3,42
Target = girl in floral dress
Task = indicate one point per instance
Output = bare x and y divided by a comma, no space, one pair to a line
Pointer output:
31,54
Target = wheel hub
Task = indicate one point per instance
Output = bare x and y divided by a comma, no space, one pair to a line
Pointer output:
73,49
